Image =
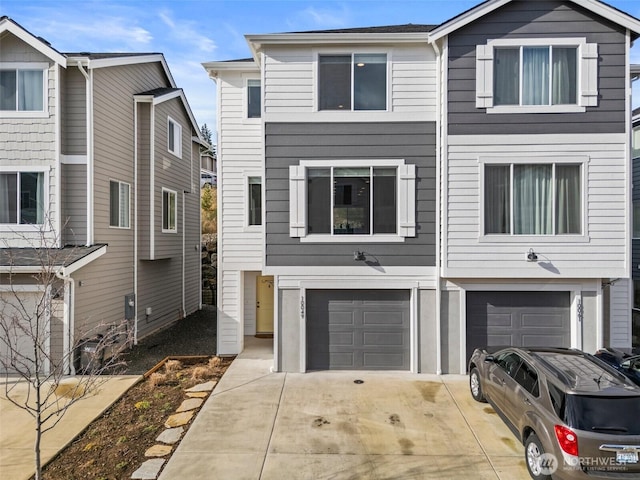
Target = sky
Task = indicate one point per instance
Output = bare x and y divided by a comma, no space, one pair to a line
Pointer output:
190,32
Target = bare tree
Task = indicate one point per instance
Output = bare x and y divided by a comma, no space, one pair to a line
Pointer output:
54,378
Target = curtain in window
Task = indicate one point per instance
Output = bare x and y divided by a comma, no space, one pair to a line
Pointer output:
532,199
535,76
8,198
124,205
568,199
30,90
564,81
497,194
40,199
506,75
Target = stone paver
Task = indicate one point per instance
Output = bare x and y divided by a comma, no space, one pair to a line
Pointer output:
189,404
171,435
197,394
158,451
202,387
148,470
179,419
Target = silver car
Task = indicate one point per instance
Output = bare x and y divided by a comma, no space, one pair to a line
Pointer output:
576,416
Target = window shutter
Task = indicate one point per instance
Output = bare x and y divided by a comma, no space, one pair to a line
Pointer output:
589,75
297,201
484,76
407,200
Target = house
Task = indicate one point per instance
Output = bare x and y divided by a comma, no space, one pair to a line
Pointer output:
99,181
393,197
635,264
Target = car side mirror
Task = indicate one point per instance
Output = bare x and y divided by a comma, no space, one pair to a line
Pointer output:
489,359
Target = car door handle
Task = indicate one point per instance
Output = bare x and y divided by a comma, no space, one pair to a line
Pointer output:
527,401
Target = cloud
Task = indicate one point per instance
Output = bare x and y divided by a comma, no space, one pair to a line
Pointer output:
315,18
187,33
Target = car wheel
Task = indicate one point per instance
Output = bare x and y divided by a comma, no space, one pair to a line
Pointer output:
475,386
540,467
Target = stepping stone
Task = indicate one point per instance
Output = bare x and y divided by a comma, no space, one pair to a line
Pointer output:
148,470
202,387
190,404
197,394
179,419
170,436
158,451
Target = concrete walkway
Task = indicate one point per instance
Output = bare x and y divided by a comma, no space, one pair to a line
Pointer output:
342,425
17,427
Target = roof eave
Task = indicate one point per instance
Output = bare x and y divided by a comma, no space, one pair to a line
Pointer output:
215,68
9,26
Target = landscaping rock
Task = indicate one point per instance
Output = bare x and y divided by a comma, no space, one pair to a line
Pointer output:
158,451
148,470
171,435
189,404
202,387
197,394
179,419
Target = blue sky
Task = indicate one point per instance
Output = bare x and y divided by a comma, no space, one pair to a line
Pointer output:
190,32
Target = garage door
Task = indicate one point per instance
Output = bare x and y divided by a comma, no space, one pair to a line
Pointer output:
358,329
522,319
15,344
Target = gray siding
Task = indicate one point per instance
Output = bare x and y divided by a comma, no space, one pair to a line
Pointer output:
74,112
287,144
144,176
537,19
74,204
635,261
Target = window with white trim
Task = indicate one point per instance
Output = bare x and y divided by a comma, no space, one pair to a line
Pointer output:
22,197
255,201
352,82
254,99
636,219
22,90
119,204
174,137
536,75
635,142
533,199
367,200
169,211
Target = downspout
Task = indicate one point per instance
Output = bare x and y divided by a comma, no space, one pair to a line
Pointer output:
69,321
439,66
135,221
89,119
184,307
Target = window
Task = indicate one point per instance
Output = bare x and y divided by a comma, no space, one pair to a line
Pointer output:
635,143
636,219
527,377
254,106
119,204
352,82
255,201
366,200
169,211
509,362
537,75
536,199
22,90
174,137
22,198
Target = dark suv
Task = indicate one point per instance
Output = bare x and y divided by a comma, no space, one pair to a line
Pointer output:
576,416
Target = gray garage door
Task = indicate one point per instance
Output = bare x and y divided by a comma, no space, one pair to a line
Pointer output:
358,329
523,319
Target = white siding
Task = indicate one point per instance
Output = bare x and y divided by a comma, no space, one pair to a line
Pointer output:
250,302
620,313
229,313
602,253
290,85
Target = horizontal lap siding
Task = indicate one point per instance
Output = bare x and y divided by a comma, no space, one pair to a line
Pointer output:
74,113
74,201
620,313
539,19
603,255
288,83
287,144
635,265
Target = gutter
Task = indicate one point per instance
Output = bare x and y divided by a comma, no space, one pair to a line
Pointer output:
89,120
439,140
69,321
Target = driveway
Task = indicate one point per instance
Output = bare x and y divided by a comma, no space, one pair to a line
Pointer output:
342,425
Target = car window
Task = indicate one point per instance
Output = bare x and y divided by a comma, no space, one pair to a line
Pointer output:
509,362
527,377
610,415
557,399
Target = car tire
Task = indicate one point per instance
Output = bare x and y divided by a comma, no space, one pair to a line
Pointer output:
533,456
475,386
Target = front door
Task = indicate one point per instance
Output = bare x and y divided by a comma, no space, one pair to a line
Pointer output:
264,305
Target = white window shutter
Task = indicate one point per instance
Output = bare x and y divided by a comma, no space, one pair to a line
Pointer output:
297,201
589,75
484,76
407,200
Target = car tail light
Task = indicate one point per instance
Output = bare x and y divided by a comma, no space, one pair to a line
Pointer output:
567,439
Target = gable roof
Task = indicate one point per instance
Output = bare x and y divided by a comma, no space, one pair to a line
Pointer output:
37,43
595,6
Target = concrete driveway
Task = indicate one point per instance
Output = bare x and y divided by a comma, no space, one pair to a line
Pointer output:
333,425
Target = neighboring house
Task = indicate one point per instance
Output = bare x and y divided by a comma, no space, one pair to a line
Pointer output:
392,197
99,167
635,264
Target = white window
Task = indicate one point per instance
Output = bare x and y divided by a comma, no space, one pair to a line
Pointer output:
533,199
352,82
119,201
169,211
174,137
255,201
22,89
22,198
254,105
539,76
635,143
370,200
